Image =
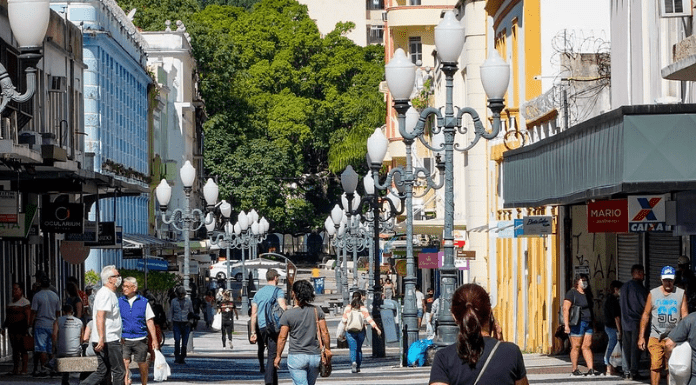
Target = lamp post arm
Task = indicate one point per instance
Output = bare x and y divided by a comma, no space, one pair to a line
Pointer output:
216,239
479,129
199,216
9,92
420,126
173,221
422,173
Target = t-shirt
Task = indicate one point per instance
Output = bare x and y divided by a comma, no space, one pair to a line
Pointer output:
429,304
505,367
666,311
149,314
46,304
632,301
69,336
578,299
303,329
419,300
262,298
611,311
227,310
106,300
686,331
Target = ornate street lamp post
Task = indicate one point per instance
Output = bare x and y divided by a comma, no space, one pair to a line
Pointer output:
186,220
400,75
224,238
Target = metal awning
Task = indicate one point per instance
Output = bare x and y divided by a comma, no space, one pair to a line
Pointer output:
631,150
141,241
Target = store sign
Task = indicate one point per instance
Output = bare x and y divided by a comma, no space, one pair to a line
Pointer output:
537,225
134,253
106,234
646,213
9,207
153,264
607,216
428,259
62,218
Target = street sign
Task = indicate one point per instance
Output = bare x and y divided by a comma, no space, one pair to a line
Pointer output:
537,225
153,264
134,253
9,207
466,254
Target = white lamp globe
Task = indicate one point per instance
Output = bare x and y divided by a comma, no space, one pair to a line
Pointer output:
187,174
29,21
255,228
401,75
495,76
209,222
265,224
377,145
225,209
336,214
369,184
229,229
163,193
349,180
253,216
341,229
237,228
210,192
449,38
243,220
412,117
329,226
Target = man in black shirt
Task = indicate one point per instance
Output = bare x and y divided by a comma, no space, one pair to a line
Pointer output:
632,302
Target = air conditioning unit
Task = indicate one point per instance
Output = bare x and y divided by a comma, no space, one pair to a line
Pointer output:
384,16
675,8
57,84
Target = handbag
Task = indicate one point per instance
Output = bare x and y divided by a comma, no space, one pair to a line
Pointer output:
574,315
485,364
325,364
355,321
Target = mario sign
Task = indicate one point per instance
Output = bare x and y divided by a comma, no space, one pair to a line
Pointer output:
646,213
607,216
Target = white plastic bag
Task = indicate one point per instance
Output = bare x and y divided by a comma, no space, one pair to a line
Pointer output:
615,359
680,364
162,370
217,322
341,331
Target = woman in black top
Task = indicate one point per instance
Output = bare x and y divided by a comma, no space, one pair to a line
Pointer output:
463,362
612,326
580,334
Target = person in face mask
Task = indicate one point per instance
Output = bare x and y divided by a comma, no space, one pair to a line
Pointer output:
107,322
581,333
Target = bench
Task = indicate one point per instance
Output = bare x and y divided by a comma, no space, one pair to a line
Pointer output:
83,364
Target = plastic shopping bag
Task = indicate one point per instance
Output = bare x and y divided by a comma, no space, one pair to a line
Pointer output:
341,331
217,322
680,364
162,370
615,359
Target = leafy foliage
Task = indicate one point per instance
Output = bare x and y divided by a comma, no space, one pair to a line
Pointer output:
91,278
287,108
158,282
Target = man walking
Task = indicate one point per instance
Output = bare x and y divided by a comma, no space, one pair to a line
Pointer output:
665,307
138,319
45,310
68,334
632,303
107,326
179,311
263,301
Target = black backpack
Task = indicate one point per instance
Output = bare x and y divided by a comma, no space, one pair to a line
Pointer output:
273,313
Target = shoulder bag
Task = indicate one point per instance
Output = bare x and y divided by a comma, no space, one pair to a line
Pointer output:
325,365
485,364
355,321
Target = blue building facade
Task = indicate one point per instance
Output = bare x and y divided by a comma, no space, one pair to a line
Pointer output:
116,115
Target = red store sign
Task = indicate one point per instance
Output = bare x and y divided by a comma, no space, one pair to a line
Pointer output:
607,216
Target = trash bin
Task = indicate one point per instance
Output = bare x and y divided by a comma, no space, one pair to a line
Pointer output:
319,285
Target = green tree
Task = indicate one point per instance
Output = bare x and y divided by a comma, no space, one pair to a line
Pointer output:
158,282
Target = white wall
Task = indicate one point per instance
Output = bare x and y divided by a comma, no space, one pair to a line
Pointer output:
326,13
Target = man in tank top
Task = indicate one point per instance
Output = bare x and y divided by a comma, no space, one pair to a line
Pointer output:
664,308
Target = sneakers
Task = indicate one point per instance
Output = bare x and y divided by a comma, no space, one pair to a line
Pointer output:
577,372
593,372
354,367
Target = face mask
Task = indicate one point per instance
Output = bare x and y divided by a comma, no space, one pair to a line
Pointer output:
118,281
584,284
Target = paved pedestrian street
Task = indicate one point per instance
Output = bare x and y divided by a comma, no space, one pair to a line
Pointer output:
211,364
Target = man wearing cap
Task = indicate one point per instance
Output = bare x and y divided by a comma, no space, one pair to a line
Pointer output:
664,308
45,310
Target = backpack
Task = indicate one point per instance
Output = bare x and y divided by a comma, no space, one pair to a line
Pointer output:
273,312
355,321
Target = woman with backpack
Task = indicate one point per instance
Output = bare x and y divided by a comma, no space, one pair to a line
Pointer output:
354,317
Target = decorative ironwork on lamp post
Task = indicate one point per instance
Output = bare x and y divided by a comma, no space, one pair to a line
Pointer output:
223,238
400,75
187,220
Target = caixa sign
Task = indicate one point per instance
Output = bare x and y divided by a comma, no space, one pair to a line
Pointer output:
62,217
646,213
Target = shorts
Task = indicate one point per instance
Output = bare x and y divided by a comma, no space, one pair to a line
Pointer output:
657,353
43,340
581,329
138,349
420,313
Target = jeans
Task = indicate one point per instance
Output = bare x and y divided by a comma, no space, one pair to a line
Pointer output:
631,354
109,361
355,341
271,341
181,336
611,333
304,368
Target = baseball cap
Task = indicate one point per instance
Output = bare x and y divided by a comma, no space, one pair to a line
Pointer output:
667,273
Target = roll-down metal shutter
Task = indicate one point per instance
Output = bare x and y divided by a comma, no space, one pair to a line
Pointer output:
663,249
628,254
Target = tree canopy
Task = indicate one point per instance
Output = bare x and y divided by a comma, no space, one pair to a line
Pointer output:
287,108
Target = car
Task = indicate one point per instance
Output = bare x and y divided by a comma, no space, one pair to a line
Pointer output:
219,270
261,265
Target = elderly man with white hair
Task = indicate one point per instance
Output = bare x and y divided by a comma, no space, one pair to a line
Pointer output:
138,319
107,326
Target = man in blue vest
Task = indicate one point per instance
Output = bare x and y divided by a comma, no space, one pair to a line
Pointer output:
138,319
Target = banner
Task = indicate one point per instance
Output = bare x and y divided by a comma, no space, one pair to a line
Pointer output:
646,213
607,216
62,218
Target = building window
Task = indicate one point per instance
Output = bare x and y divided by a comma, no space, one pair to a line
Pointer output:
375,4
375,34
414,2
415,47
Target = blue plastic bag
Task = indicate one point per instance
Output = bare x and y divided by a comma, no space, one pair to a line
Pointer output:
416,353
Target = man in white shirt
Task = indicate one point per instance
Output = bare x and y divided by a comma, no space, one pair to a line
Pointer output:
107,325
138,319
420,305
68,334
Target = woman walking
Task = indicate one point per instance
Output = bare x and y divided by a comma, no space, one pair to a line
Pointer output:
580,334
354,317
228,311
300,324
17,323
388,289
477,356
612,313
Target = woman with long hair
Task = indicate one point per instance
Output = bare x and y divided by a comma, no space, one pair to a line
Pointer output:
300,324
356,336
580,334
478,356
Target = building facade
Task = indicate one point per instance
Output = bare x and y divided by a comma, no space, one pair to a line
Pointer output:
367,15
